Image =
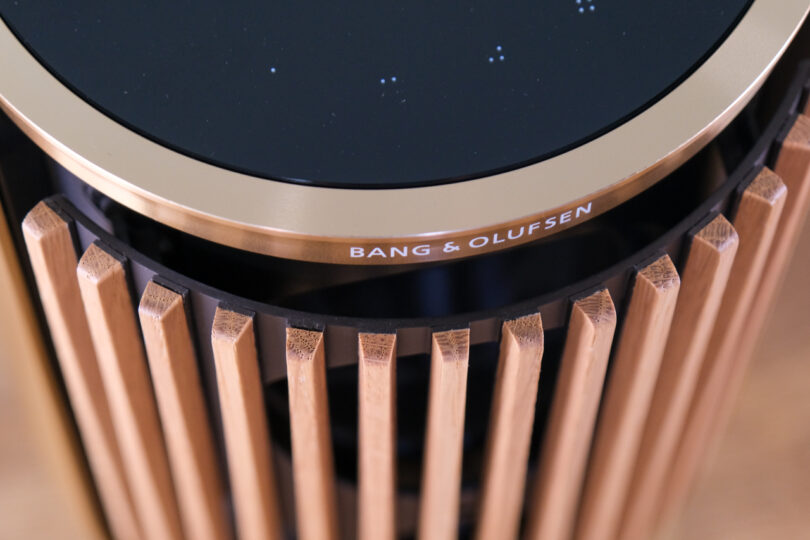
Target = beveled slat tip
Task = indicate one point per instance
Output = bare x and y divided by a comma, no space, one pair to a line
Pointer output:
302,344
597,307
767,186
661,274
719,234
42,220
377,348
453,345
230,326
96,264
157,301
526,331
799,134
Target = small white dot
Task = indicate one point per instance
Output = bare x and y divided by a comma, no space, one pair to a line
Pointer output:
272,70
491,59
582,10
593,8
382,81
499,48
393,79
501,58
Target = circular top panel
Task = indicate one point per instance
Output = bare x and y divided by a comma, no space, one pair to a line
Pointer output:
194,116
372,94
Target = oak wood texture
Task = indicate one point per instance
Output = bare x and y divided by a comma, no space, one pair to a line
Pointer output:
42,408
118,346
377,436
313,467
793,167
53,260
634,371
756,221
181,405
510,428
247,437
564,453
704,281
441,470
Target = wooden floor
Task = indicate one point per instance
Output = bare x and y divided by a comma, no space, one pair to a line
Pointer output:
757,485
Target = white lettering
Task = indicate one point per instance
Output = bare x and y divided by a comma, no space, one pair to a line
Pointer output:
551,222
565,217
421,250
402,252
533,227
357,252
479,242
512,236
584,210
377,252
497,239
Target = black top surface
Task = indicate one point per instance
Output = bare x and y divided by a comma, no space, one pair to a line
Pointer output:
372,94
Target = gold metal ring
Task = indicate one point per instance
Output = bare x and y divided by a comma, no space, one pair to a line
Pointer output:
397,226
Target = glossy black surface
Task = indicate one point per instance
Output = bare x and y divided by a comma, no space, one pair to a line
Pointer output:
372,94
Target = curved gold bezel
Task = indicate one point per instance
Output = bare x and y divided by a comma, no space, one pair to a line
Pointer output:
395,226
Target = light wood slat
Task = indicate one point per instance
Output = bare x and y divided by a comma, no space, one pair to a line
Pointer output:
313,467
756,221
572,417
634,371
24,347
377,436
705,276
117,342
510,428
441,471
793,167
181,406
247,437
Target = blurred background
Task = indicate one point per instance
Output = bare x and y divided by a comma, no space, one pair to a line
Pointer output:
755,484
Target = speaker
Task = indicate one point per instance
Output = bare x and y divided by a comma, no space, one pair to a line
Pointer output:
324,271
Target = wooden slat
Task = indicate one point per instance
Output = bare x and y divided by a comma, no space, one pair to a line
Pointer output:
247,437
756,221
793,167
510,428
633,374
313,468
705,276
573,414
441,471
53,261
181,406
117,342
377,436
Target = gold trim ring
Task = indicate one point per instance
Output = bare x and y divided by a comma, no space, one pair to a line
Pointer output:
396,226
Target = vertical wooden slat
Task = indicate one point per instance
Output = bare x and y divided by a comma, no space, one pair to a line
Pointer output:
705,276
53,260
182,411
793,167
117,342
377,436
313,468
633,374
568,436
247,437
441,472
756,222
510,429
